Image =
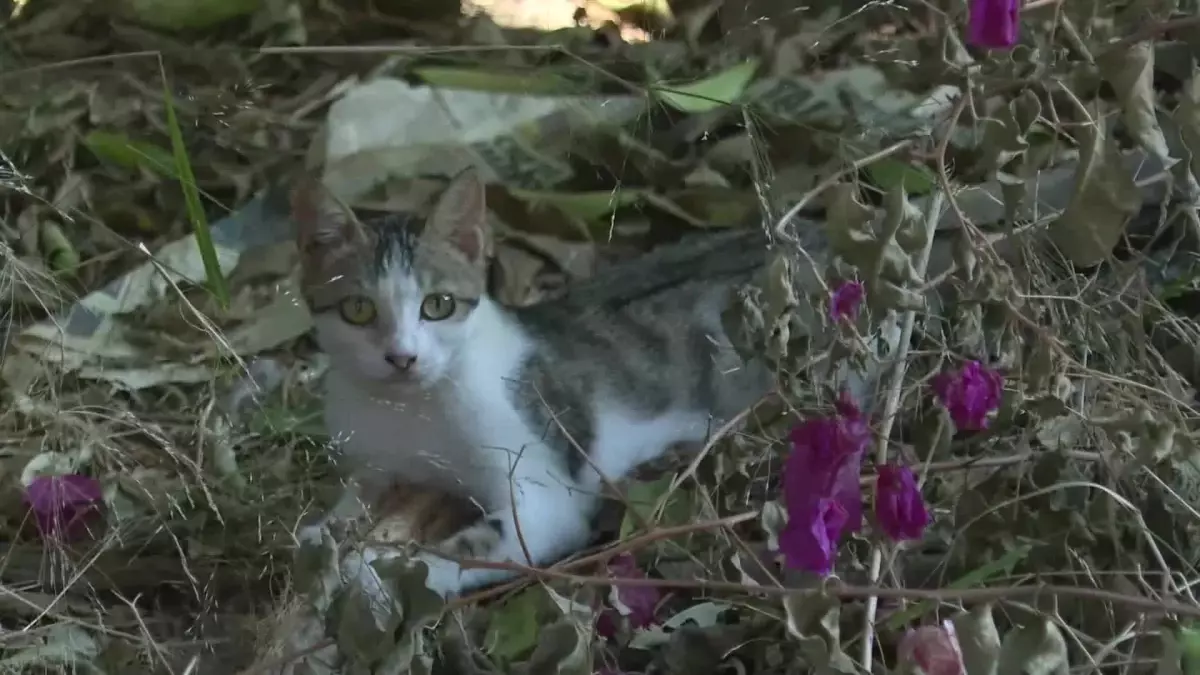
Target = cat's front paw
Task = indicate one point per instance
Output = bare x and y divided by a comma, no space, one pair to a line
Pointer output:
444,576
476,541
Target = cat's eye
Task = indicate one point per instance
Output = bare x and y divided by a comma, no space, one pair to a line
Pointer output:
437,307
357,310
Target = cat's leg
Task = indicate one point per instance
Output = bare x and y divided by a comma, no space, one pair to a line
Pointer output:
352,507
550,521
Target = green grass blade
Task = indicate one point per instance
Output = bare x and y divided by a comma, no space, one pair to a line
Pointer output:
977,577
187,181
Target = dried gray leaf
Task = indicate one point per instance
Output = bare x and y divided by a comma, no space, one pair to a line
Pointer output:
1004,134
1130,71
316,571
562,650
847,221
1105,198
978,639
1035,649
812,619
1187,116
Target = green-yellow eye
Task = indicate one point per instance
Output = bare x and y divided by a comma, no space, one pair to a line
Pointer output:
437,307
357,310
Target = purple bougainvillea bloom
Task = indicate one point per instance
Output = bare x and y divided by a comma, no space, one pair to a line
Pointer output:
970,394
845,300
810,538
62,505
899,508
993,24
641,601
606,623
820,487
934,648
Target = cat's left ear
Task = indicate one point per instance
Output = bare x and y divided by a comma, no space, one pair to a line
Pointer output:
460,216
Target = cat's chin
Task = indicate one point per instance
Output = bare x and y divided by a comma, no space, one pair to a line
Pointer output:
395,384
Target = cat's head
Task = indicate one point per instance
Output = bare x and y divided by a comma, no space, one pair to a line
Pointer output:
392,299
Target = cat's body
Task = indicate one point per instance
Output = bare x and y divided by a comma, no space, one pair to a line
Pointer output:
433,381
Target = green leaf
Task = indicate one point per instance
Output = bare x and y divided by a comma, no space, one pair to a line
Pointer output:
186,14
710,93
60,255
888,173
585,206
187,181
645,499
513,627
276,419
1170,662
1035,649
1189,641
65,645
707,206
498,81
1001,567
127,153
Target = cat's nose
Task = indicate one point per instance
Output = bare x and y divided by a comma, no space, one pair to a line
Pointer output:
400,360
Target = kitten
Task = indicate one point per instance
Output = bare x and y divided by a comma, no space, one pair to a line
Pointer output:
433,381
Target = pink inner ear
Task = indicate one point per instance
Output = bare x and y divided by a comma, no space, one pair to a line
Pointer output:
315,224
469,240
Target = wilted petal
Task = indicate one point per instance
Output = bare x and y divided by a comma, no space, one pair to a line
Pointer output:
970,394
899,507
61,505
809,540
934,648
845,300
606,623
641,601
994,24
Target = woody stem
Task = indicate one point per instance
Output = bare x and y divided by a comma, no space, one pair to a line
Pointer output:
891,409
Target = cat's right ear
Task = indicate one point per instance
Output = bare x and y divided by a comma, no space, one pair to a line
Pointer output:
321,220
459,216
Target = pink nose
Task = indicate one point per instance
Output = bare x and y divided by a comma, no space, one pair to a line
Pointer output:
400,360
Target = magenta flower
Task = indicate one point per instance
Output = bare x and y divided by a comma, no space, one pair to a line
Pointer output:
640,601
820,487
810,538
993,24
899,508
845,300
970,394
62,505
934,649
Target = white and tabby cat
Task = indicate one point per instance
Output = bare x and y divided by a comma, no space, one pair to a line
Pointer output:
433,381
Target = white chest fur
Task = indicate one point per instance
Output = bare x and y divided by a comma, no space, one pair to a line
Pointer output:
478,395
402,433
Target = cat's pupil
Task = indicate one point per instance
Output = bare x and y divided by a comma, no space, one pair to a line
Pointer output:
437,307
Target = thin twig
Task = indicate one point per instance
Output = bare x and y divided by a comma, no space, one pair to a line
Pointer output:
849,592
891,411
834,179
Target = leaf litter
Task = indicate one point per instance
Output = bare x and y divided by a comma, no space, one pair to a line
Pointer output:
1035,526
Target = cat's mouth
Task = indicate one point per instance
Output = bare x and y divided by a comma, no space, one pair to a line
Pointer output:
404,382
